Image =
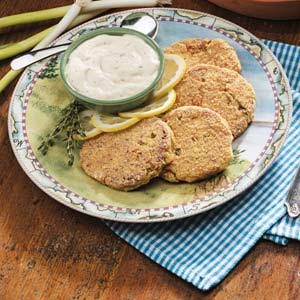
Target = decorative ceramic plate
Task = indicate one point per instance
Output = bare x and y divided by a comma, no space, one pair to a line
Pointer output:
40,96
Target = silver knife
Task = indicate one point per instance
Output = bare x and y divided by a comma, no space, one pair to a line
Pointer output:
292,201
37,55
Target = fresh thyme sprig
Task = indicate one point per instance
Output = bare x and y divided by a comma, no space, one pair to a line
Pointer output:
65,130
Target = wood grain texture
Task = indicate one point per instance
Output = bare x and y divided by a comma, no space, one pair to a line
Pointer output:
48,251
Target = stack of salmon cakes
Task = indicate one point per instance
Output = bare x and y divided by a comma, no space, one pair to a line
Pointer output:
190,142
213,81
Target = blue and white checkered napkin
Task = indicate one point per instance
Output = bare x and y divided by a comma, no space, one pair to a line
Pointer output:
205,248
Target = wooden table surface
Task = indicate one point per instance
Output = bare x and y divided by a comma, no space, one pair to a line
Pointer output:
48,251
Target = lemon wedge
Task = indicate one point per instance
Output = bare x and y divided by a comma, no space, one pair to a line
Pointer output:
88,128
175,67
155,107
112,123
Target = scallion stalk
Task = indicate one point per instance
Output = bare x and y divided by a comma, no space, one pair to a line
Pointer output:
35,16
24,45
62,25
105,4
8,78
59,12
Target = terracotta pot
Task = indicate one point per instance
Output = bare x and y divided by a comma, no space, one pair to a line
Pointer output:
265,9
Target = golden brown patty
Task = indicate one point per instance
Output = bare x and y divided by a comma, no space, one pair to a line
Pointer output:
130,158
202,144
222,90
204,51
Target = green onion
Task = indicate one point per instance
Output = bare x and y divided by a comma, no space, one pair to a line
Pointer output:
36,16
8,78
24,45
62,25
59,12
5,45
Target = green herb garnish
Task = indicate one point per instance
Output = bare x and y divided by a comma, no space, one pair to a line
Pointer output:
65,130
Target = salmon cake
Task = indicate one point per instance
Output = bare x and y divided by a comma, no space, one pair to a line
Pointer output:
202,144
215,52
128,159
222,90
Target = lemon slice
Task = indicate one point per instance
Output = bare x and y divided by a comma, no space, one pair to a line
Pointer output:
175,67
88,128
112,123
155,107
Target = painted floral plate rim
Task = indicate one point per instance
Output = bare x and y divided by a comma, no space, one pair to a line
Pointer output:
283,111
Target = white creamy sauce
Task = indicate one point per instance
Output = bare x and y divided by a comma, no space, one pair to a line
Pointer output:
109,67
